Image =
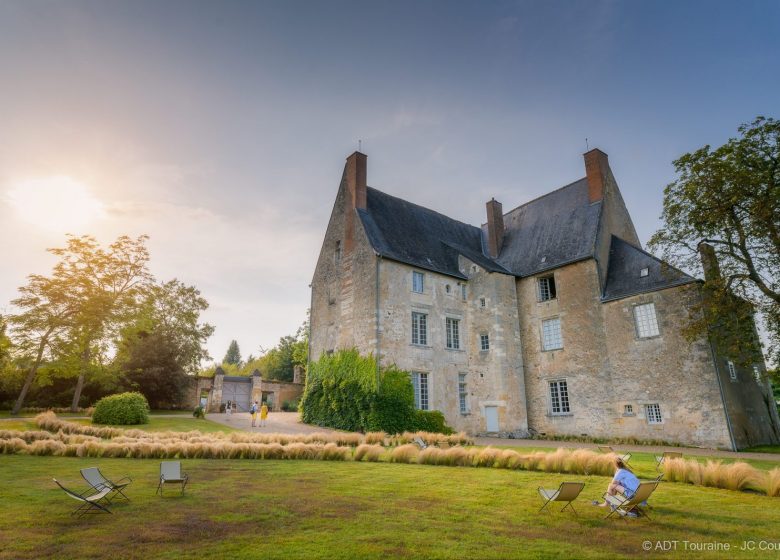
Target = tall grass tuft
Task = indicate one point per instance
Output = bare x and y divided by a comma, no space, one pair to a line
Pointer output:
406,453
773,483
375,438
739,475
369,452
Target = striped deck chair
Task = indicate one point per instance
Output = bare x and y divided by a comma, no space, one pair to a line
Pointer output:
89,503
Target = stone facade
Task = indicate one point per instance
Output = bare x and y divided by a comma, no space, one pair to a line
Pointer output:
499,378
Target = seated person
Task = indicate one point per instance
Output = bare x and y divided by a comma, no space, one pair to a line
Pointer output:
624,482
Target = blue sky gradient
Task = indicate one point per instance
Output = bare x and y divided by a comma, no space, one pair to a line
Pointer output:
221,128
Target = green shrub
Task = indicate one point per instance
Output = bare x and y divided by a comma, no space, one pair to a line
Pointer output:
290,406
123,409
341,392
199,412
430,421
392,410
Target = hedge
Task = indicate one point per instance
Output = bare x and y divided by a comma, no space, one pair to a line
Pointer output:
344,391
430,421
122,409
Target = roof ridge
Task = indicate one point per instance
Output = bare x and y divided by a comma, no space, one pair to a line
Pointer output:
422,207
544,195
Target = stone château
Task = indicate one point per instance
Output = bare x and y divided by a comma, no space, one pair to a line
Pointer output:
548,319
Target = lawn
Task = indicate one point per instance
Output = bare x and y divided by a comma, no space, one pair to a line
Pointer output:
313,509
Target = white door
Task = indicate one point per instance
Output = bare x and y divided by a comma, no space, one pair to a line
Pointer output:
491,418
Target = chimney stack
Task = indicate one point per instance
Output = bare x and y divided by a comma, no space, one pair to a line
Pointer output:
355,175
596,169
495,223
356,179
709,262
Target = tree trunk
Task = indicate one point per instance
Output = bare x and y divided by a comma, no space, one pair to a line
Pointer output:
26,387
74,406
31,375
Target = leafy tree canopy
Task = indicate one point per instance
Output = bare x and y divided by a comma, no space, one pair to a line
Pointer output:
729,198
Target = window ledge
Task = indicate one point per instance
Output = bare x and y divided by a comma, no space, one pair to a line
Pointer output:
455,349
553,349
422,346
627,414
563,415
648,337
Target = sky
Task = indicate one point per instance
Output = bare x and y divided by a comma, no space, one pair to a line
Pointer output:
220,128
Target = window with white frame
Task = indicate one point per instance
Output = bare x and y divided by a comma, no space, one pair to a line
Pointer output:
462,394
484,342
732,371
546,288
646,321
447,288
653,413
628,410
551,334
453,334
644,272
418,282
420,384
419,328
757,373
482,302
559,397
463,292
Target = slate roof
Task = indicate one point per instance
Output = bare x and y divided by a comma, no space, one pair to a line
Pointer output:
550,231
414,235
625,263
553,230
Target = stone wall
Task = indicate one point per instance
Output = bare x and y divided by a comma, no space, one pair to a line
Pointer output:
343,289
493,377
607,366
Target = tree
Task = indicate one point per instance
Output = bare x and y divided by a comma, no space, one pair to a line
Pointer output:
78,310
48,309
729,198
152,366
233,355
164,343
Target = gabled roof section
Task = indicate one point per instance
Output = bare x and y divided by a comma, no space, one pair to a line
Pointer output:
625,265
550,231
411,234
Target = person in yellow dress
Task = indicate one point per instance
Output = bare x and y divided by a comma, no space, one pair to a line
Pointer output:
263,414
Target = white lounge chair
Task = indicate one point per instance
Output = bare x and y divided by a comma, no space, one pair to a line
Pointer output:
99,482
659,459
89,503
420,443
170,473
566,492
626,457
623,505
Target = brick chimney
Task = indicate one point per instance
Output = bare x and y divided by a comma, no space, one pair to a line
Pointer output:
596,169
709,262
355,175
495,223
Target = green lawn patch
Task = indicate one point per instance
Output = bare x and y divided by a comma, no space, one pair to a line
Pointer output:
311,509
764,449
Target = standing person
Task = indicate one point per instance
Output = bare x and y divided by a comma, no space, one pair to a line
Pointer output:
253,411
229,407
263,414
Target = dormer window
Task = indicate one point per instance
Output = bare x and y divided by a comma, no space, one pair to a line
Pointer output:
546,289
644,272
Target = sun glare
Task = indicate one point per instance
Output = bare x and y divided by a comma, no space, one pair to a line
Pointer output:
57,203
